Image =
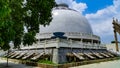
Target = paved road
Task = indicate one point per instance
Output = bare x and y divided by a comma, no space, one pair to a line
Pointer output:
13,65
109,64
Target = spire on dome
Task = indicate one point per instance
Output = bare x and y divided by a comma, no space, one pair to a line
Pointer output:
63,5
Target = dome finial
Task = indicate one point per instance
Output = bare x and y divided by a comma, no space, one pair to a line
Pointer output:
63,5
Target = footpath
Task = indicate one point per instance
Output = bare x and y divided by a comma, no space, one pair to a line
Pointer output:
3,64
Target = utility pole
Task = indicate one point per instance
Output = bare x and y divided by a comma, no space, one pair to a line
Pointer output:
116,27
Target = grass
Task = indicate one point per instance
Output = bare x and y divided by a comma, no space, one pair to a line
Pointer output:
46,62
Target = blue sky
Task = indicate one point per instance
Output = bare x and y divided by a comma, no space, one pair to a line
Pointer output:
99,13
94,5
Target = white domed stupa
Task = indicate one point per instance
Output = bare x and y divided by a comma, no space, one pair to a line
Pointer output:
64,19
67,38
72,23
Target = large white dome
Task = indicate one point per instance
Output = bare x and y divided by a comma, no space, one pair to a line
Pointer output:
67,20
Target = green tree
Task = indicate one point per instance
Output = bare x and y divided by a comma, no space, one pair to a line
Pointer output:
17,14
6,25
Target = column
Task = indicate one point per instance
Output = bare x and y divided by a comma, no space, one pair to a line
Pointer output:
55,58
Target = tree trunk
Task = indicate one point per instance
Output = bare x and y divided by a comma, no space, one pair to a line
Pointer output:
7,58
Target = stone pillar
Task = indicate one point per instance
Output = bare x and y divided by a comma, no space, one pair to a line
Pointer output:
55,58
45,42
71,46
81,40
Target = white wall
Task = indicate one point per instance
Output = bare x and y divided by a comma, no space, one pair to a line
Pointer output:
112,46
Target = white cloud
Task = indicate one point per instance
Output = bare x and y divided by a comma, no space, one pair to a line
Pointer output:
80,7
101,21
64,1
